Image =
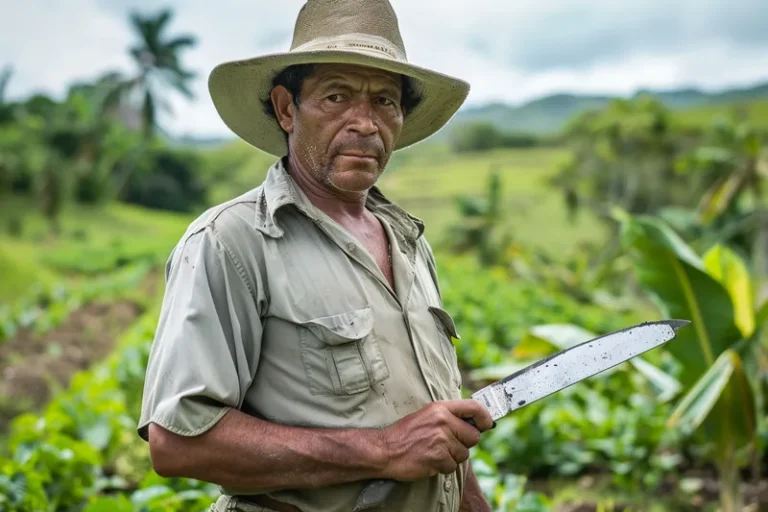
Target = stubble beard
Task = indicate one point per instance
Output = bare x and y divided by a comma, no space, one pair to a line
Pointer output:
329,174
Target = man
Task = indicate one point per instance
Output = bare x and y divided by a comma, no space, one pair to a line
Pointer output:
302,349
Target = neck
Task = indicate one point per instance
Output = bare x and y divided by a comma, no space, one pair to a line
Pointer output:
337,204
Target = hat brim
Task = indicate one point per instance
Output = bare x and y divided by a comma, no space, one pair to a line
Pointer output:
239,88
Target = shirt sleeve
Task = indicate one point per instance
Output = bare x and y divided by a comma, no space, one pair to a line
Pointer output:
206,348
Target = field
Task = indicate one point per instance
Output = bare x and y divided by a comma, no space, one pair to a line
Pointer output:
755,111
93,240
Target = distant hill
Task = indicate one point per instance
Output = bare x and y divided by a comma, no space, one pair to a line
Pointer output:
550,113
193,142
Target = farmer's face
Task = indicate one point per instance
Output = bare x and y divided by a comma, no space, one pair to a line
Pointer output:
347,124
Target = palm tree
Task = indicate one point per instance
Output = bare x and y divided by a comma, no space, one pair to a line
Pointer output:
5,108
157,56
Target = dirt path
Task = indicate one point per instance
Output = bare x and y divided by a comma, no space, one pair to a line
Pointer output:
31,366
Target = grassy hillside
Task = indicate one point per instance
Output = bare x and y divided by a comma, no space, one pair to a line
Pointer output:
427,178
92,240
756,111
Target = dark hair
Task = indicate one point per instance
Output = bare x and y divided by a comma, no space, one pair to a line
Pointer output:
293,77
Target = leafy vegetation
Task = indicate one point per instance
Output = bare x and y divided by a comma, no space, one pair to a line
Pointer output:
716,293
82,452
89,430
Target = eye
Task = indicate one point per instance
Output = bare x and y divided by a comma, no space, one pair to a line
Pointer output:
336,98
381,100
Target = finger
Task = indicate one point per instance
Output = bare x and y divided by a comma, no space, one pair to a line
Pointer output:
447,465
466,434
460,454
471,409
484,421
452,446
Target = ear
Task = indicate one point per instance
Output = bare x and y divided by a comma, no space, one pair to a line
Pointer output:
285,110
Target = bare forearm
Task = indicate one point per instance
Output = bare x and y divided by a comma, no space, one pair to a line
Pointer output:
473,499
248,454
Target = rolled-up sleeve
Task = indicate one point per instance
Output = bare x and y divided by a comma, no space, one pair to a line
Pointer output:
206,349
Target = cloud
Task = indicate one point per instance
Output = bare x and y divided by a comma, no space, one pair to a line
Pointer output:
48,43
508,51
514,51
532,35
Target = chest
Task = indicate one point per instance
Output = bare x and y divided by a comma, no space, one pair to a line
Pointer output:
337,347
373,238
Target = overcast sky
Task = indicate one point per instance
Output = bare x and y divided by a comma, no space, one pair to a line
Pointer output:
508,50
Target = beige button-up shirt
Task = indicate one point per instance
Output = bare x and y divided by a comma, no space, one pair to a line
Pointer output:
273,308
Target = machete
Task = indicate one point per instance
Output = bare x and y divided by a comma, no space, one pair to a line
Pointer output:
550,375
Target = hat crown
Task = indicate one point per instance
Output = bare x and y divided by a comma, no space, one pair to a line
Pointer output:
328,19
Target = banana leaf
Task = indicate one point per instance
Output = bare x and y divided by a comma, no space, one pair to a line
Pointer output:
720,402
676,279
719,198
723,396
543,340
762,316
730,271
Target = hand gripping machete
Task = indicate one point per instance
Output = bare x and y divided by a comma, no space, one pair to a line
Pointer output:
549,376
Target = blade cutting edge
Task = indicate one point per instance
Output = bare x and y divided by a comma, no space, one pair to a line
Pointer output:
574,364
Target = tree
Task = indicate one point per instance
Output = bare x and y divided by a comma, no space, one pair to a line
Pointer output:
482,136
624,155
731,210
157,57
48,148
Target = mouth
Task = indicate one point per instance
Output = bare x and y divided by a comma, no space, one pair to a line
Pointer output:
361,156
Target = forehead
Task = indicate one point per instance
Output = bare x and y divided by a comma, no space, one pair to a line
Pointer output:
354,73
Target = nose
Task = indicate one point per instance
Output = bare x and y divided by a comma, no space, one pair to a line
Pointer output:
363,119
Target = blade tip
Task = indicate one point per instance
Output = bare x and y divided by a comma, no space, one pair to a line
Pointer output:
678,324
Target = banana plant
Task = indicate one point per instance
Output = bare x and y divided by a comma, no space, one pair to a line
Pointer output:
719,353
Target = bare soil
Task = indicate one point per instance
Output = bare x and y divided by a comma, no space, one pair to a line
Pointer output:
706,499
31,366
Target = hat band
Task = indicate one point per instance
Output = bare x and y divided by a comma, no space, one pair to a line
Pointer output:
367,42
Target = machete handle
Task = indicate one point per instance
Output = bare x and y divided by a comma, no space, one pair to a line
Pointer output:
375,492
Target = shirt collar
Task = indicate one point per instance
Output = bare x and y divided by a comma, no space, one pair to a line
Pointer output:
279,190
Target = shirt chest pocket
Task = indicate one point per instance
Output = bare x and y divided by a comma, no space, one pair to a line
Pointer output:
341,354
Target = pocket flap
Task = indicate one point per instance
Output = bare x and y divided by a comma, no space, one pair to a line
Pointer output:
342,328
446,320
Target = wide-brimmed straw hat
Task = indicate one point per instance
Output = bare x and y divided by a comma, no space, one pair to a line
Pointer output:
362,32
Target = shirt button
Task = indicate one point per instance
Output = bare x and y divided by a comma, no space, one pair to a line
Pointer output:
448,484
351,247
